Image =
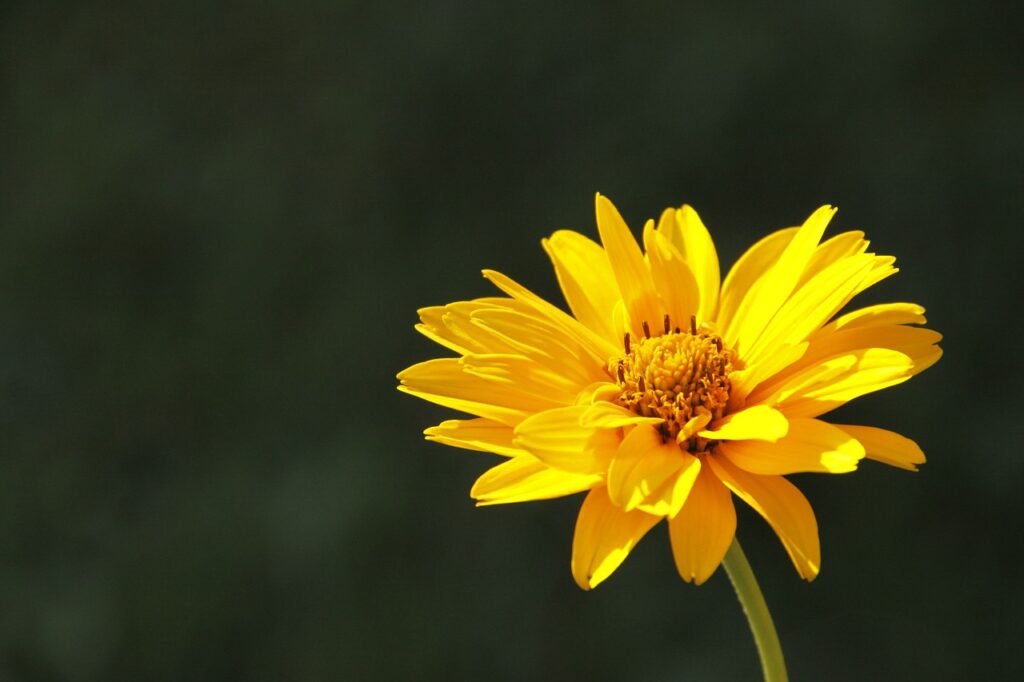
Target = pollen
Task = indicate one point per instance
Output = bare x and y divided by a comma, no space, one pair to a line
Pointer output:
681,377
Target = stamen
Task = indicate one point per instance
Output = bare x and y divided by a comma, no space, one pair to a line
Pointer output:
675,378
647,329
693,325
626,343
667,325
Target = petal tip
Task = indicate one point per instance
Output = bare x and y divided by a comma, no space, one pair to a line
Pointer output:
582,580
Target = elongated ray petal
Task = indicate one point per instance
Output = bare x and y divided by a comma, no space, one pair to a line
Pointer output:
784,508
599,348
677,288
810,445
878,315
627,261
812,305
604,537
887,447
585,275
556,438
698,250
480,434
775,285
745,273
525,478
703,529
445,381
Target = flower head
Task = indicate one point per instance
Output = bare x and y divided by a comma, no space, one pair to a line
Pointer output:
667,392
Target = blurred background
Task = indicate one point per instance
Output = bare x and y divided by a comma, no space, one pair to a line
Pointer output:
218,220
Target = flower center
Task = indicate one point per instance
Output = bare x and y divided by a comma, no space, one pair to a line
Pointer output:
681,377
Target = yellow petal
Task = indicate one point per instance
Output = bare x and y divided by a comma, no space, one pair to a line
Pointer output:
556,438
875,369
505,415
825,386
484,435
522,373
604,537
599,348
586,278
621,322
914,342
450,326
881,314
887,447
605,415
541,341
759,422
883,268
811,306
747,270
444,381
698,250
810,445
744,381
670,497
627,261
839,247
786,383
599,391
693,425
526,478
703,529
677,288
776,284
784,508
640,466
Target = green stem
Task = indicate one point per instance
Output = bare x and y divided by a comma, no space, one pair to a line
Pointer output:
754,606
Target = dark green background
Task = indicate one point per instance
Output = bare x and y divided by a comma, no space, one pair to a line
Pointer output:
219,219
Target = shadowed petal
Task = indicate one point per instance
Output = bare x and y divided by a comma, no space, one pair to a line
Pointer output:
640,466
604,537
525,478
887,447
703,529
783,507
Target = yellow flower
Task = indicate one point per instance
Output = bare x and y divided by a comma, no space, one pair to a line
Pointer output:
666,392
